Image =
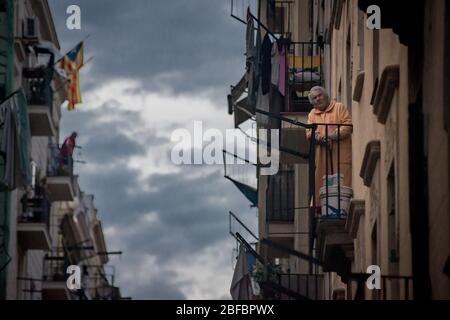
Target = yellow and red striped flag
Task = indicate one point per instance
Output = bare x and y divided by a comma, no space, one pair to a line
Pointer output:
71,64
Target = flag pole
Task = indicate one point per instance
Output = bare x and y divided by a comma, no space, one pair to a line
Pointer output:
85,63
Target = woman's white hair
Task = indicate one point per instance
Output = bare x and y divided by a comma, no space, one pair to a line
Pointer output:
317,88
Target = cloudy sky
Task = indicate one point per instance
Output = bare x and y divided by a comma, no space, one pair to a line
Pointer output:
157,66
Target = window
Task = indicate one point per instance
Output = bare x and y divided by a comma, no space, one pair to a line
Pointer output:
392,235
275,20
280,197
392,219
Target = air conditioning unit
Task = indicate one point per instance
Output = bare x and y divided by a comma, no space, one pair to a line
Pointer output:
31,28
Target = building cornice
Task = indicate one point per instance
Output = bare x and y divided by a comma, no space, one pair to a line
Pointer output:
371,156
385,93
356,210
359,84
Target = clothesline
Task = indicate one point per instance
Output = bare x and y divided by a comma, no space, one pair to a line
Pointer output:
260,24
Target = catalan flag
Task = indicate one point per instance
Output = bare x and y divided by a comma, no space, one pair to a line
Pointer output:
71,64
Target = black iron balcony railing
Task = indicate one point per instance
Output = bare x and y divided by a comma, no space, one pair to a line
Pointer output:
55,267
393,287
324,159
35,208
273,283
29,288
59,165
307,285
82,251
37,87
38,80
396,288
304,59
332,183
105,292
100,284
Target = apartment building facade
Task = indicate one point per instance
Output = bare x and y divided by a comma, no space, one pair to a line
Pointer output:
394,82
47,222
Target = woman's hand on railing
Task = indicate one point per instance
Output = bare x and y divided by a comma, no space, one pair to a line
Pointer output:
333,136
320,139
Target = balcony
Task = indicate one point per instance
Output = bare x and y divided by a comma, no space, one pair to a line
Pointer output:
107,292
97,284
280,211
334,246
310,286
100,243
293,144
54,285
33,223
396,288
278,285
59,177
393,287
76,249
333,194
304,71
40,101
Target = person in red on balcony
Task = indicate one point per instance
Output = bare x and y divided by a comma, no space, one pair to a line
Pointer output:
67,148
327,139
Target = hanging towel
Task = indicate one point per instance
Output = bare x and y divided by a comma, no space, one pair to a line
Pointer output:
8,145
14,141
240,285
282,61
23,136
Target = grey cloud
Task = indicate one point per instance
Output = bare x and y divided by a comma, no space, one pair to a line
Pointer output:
108,141
109,148
189,216
86,120
150,40
160,289
154,287
170,47
186,224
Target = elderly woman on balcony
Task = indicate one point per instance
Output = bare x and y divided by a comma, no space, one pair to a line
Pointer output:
328,114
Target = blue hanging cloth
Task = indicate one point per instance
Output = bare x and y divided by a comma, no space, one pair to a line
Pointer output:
249,192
